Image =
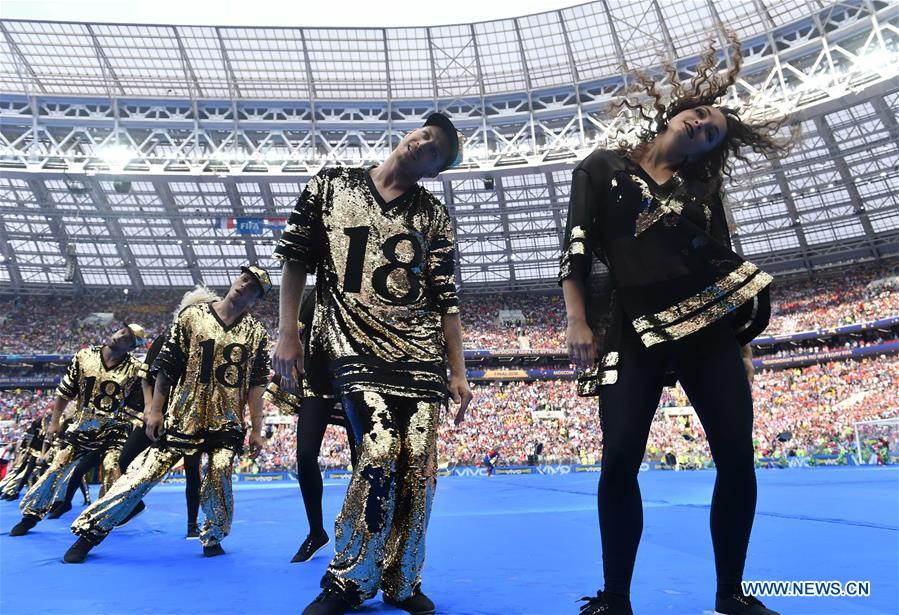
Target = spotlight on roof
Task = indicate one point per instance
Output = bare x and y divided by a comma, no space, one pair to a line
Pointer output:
122,187
117,155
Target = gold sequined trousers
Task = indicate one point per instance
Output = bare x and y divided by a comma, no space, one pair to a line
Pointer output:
144,473
380,532
51,487
18,476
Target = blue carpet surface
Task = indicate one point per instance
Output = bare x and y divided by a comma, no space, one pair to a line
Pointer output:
511,545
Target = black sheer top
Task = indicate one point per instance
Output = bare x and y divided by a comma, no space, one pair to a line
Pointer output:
667,247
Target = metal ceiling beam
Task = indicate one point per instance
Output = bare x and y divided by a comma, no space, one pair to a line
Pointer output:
887,117
786,192
187,249
101,202
189,74
9,258
858,207
53,216
21,56
237,206
104,61
504,217
232,77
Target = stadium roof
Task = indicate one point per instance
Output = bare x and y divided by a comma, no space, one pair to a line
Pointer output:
165,155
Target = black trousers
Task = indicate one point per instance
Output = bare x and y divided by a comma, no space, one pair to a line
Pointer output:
314,417
89,462
138,442
714,378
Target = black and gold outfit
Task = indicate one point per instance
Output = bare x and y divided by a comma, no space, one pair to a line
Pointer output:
316,406
98,428
682,304
384,277
27,455
212,367
138,441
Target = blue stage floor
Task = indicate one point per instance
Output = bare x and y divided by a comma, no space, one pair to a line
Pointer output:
501,546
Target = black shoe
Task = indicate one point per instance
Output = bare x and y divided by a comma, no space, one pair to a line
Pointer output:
78,551
9,497
605,604
738,603
328,602
134,512
213,550
59,509
312,545
21,528
193,531
418,604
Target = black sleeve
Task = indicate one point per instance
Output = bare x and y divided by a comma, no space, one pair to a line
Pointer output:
718,226
69,386
580,243
135,397
147,371
261,365
752,317
299,241
172,357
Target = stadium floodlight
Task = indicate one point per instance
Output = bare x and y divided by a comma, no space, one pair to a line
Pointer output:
116,155
875,61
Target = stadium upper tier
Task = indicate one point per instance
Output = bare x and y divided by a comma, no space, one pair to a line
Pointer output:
164,155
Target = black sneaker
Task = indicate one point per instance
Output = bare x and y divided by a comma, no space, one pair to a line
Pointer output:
134,512
213,550
329,602
738,603
193,531
605,604
21,528
312,545
9,497
59,509
78,551
417,604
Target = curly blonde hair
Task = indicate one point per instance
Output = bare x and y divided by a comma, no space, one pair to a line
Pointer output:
709,85
199,294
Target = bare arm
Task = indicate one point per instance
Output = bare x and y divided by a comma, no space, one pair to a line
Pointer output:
155,421
254,402
746,353
148,393
458,385
287,359
58,408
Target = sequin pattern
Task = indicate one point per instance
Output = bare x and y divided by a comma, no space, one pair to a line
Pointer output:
99,392
213,367
380,532
385,274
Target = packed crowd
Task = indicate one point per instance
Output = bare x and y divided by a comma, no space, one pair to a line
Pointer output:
817,404
56,324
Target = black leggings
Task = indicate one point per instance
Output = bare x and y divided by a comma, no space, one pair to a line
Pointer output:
314,417
87,463
715,381
138,442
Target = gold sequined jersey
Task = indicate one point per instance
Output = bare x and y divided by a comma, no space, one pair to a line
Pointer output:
212,367
385,275
667,247
100,391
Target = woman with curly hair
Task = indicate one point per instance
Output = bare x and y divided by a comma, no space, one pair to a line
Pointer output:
683,306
